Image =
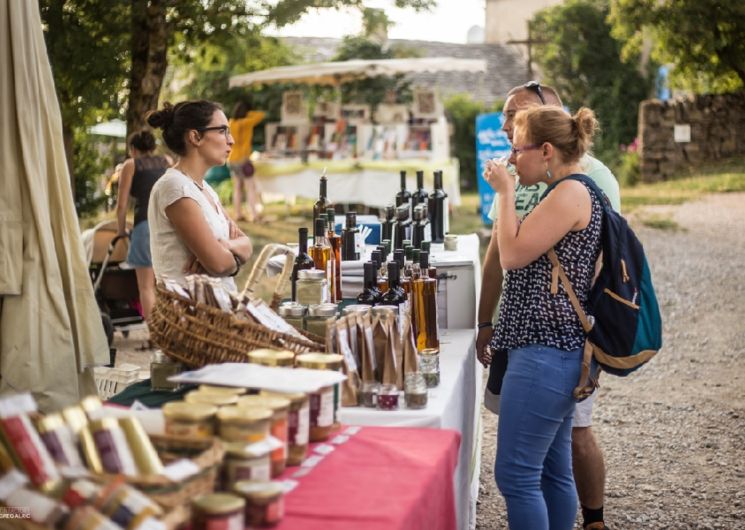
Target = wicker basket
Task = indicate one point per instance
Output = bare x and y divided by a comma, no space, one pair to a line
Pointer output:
197,334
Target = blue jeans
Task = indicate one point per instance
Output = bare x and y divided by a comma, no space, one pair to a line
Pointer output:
534,441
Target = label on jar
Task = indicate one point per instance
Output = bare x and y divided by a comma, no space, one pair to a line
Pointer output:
299,425
322,408
280,431
220,522
189,429
258,469
275,510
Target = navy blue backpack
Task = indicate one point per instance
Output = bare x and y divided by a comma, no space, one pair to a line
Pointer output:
625,329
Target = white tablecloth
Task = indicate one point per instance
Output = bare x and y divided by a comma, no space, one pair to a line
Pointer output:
454,404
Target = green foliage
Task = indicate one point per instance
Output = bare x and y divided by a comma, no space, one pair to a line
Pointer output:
704,39
88,170
462,111
628,170
583,62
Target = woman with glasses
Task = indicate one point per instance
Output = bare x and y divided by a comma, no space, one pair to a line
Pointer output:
189,229
540,331
137,177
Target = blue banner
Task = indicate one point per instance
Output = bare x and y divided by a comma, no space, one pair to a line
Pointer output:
491,142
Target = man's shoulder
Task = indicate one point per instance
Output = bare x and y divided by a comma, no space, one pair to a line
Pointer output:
604,178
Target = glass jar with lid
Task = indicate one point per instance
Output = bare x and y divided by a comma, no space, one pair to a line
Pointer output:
318,317
280,408
267,357
356,308
161,368
293,313
297,425
190,420
218,510
312,287
429,364
324,402
241,424
240,464
218,399
264,502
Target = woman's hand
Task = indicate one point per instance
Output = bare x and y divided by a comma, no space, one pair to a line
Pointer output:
496,174
483,351
193,266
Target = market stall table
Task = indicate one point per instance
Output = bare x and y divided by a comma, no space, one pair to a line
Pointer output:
454,404
378,479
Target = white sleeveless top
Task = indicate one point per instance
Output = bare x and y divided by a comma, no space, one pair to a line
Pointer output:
169,253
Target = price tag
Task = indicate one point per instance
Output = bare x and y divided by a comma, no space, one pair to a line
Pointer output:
351,431
339,439
312,461
10,482
288,485
323,449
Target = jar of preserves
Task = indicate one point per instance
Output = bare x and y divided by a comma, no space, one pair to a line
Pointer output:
190,420
240,464
292,313
280,408
318,317
218,511
242,424
264,502
298,425
312,287
267,357
429,364
161,368
323,402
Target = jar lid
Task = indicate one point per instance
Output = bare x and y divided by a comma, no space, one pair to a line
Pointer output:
311,274
429,351
291,309
319,361
322,310
269,357
244,414
295,397
275,403
229,390
219,399
254,489
188,411
218,503
356,308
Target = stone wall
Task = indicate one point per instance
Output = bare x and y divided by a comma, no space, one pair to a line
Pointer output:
717,132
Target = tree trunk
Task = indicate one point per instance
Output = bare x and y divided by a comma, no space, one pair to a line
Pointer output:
149,59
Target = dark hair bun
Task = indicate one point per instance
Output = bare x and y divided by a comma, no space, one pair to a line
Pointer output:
161,119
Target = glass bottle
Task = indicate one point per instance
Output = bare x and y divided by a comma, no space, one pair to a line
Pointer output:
402,228
370,295
404,281
381,278
419,196
335,243
404,196
425,302
417,227
321,250
349,238
302,260
427,269
438,210
322,204
386,228
395,295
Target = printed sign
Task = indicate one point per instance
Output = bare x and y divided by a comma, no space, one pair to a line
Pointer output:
491,142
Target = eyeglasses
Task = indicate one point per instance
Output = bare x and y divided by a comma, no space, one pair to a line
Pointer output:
224,129
535,86
529,147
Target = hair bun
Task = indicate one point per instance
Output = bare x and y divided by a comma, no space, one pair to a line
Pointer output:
161,119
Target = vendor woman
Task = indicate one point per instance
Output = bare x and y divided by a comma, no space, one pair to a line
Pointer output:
190,232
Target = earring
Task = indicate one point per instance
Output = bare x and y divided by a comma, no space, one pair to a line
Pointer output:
549,176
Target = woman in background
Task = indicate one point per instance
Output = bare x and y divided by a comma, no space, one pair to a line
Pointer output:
190,231
138,175
242,125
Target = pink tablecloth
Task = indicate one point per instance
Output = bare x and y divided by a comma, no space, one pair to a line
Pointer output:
382,478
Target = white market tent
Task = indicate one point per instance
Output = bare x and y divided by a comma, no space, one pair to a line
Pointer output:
337,73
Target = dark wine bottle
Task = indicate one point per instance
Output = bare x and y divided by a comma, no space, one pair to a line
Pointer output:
370,294
417,227
402,228
302,260
349,238
387,224
322,204
438,210
404,196
395,295
420,195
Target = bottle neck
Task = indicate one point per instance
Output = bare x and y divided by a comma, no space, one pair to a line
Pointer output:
322,193
302,242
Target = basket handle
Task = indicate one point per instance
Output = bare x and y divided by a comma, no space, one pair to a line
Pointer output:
259,270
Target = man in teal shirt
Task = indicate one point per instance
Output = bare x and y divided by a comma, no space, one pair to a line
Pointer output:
587,458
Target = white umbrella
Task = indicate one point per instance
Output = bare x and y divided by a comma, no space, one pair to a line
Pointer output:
50,326
338,72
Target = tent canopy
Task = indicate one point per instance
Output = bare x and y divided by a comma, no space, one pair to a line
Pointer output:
115,128
336,73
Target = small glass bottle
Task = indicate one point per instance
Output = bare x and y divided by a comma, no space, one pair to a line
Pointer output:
322,204
370,294
335,243
425,302
321,250
426,267
395,295
302,260
350,238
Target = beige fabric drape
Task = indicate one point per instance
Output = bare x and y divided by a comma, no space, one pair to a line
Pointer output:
50,327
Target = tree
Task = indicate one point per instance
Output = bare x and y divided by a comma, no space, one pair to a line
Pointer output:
583,61
704,39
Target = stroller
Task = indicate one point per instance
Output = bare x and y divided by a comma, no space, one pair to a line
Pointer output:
114,284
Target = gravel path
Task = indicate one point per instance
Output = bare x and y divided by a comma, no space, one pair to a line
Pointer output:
673,433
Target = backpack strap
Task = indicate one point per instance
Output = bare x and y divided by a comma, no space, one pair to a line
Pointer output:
587,382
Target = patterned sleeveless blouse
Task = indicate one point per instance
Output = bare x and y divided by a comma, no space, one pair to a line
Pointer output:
530,314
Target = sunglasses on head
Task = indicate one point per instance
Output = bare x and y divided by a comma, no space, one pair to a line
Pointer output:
535,87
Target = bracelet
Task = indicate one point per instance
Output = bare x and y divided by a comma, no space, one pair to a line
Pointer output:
238,264
482,325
